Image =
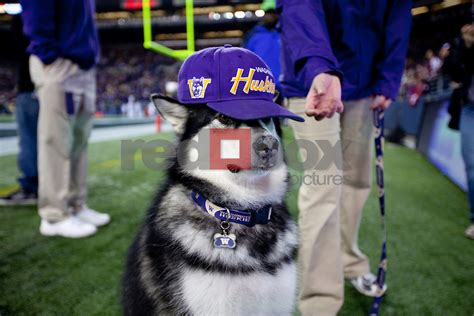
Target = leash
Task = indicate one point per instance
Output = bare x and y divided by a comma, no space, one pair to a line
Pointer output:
382,270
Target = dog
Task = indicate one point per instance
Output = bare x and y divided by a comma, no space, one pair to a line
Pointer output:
215,241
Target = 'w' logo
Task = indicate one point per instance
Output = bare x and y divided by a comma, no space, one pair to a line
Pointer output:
224,241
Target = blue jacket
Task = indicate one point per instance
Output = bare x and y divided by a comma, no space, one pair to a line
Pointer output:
266,44
366,40
59,28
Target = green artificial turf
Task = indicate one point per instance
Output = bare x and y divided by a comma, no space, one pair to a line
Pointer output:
431,263
6,118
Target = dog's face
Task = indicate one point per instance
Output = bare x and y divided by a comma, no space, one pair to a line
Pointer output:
242,157
197,86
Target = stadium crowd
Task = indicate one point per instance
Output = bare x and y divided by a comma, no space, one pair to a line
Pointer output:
123,71
424,75
132,71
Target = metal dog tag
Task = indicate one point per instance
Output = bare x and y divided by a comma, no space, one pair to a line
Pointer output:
224,241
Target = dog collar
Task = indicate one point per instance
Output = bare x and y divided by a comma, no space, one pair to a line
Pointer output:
247,218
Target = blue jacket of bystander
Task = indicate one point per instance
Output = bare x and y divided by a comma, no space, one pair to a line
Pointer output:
59,28
266,44
363,41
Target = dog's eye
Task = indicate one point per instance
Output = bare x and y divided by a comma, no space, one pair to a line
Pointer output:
225,120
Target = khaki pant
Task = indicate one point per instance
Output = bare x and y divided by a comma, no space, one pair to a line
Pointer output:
331,204
67,105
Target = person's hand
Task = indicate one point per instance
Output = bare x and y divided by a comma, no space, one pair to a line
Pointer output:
444,51
380,102
467,33
324,97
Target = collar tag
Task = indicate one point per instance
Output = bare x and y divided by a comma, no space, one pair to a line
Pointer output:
224,241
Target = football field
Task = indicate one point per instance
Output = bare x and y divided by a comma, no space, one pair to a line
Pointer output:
430,262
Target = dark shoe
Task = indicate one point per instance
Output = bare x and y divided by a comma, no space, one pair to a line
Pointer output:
20,197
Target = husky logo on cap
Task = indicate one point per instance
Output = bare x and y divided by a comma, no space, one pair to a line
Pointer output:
198,86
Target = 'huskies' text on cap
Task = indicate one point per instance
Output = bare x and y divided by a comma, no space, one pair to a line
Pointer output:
232,81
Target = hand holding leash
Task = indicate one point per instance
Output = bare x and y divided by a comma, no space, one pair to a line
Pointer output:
380,102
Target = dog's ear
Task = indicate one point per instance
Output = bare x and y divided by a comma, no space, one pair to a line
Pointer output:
171,110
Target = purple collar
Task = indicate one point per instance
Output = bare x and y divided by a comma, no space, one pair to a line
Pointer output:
247,218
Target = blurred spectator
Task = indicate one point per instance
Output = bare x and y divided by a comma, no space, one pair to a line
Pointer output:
171,88
64,49
413,85
460,67
444,51
151,109
264,40
8,79
132,108
26,114
421,77
434,63
131,71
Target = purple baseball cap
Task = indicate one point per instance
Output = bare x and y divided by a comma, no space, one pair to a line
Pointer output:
232,81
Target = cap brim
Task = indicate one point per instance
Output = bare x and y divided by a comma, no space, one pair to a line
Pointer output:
252,110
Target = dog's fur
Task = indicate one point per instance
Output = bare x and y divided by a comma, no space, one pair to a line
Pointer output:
173,268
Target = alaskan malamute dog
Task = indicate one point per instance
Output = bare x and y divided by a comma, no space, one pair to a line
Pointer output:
185,261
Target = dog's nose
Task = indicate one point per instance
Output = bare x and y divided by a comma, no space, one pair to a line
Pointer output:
266,146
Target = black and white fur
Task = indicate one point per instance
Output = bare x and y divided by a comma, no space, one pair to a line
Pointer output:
172,266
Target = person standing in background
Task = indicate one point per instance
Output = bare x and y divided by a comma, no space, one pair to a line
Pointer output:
264,40
26,115
64,50
433,62
459,65
323,41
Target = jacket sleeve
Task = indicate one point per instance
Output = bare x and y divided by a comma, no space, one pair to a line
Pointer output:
397,35
305,33
39,25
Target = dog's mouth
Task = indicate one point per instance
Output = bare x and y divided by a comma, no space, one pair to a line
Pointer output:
260,169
